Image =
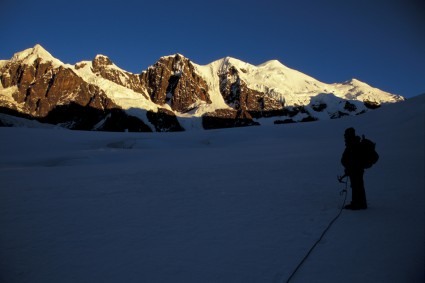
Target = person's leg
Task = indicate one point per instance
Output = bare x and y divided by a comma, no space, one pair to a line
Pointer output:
358,191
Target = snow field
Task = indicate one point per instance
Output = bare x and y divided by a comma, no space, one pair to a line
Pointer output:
230,205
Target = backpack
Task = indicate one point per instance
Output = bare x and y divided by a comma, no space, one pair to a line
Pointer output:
369,154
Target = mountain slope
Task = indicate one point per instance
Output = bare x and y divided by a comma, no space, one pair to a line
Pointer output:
174,92
296,88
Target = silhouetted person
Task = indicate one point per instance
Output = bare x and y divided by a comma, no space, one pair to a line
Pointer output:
352,162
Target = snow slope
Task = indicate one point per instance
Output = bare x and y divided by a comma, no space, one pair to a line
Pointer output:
133,102
294,87
230,205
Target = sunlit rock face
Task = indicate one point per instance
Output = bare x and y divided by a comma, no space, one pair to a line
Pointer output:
173,81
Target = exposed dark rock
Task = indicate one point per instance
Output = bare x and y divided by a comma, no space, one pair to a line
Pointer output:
74,116
338,114
225,118
164,121
371,104
41,88
319,107
265,114
14,112
350,106
119,121
308,119
294,110
286,121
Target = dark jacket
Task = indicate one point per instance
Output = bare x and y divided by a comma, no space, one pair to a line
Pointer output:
352,156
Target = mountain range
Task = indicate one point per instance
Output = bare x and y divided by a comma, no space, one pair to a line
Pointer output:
174,94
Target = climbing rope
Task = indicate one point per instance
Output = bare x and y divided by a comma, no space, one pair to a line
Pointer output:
344,191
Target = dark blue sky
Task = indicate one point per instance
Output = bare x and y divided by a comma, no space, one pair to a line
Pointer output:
380,42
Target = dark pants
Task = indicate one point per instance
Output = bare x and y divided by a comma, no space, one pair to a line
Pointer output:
358,191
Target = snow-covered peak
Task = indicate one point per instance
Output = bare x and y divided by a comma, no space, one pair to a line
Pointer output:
28,56
101,57
272,64
227,63
175,55
295,87
102,60
272,78
356,82
358,90
37,50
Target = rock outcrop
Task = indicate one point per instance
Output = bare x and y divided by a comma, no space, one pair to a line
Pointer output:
237,94
173,81
225,118
40,87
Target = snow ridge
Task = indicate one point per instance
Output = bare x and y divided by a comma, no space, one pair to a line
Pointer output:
297,88
29,55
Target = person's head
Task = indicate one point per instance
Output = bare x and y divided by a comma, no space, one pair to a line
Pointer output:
349,135
350,132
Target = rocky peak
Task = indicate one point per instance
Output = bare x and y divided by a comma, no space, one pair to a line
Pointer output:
42,82
101,61
273,64
26,66
173,80
178,63
104,67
